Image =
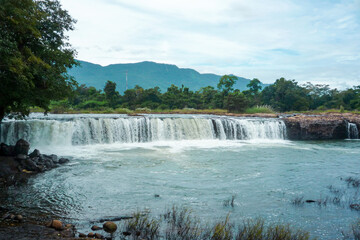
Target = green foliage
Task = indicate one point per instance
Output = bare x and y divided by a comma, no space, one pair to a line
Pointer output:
35,55
236,102
284,96
112,96
226,84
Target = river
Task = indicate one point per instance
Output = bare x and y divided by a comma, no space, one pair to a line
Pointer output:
122,164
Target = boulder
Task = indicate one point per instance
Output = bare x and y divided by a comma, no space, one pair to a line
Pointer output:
63,160
91,235
56,224
35,153
110,227
22,147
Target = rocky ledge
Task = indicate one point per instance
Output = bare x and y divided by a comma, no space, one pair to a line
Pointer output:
16,164
322,127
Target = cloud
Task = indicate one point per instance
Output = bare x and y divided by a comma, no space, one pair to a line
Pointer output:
317,41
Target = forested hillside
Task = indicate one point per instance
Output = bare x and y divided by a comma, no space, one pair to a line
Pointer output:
146,75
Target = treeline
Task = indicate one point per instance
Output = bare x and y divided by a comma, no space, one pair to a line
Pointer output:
284,95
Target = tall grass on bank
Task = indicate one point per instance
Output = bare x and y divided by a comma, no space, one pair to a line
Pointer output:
180,224
260,109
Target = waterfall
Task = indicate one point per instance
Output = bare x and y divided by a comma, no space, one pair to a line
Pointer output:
353,132
93,130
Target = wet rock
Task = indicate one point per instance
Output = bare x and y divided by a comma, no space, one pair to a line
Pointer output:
91,235
110,227
126,233
63,160
6,150
29,165
19,218
58,225
35,153
95,228
310,201
82,235
99,236
22,147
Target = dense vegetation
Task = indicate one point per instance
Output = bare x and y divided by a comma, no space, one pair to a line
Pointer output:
34,55
283,96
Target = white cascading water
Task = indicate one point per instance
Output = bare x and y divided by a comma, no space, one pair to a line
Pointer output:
353,132
81,131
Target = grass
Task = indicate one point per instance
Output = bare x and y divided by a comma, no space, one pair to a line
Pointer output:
180,224
260,109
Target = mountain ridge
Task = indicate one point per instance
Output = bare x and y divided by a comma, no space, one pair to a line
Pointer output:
146,74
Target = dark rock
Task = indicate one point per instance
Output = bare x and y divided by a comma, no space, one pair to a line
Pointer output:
35,153
95,228
29,165
6,150
63,160
355,206
91,235
21,157
22,147
49,163
310,201
126,233
157,195
110,227
82,235
302,127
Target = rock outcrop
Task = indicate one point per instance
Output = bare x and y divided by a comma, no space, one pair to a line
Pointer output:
16,163
320,127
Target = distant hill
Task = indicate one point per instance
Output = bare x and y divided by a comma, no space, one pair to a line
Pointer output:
146,75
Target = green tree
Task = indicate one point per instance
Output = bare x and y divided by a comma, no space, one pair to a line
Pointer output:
35,55
254,86
112,96
226,84
236,101
286,95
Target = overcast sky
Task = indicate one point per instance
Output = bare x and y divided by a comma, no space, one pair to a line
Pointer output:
305,40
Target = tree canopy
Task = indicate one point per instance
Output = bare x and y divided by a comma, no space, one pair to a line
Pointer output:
35,55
